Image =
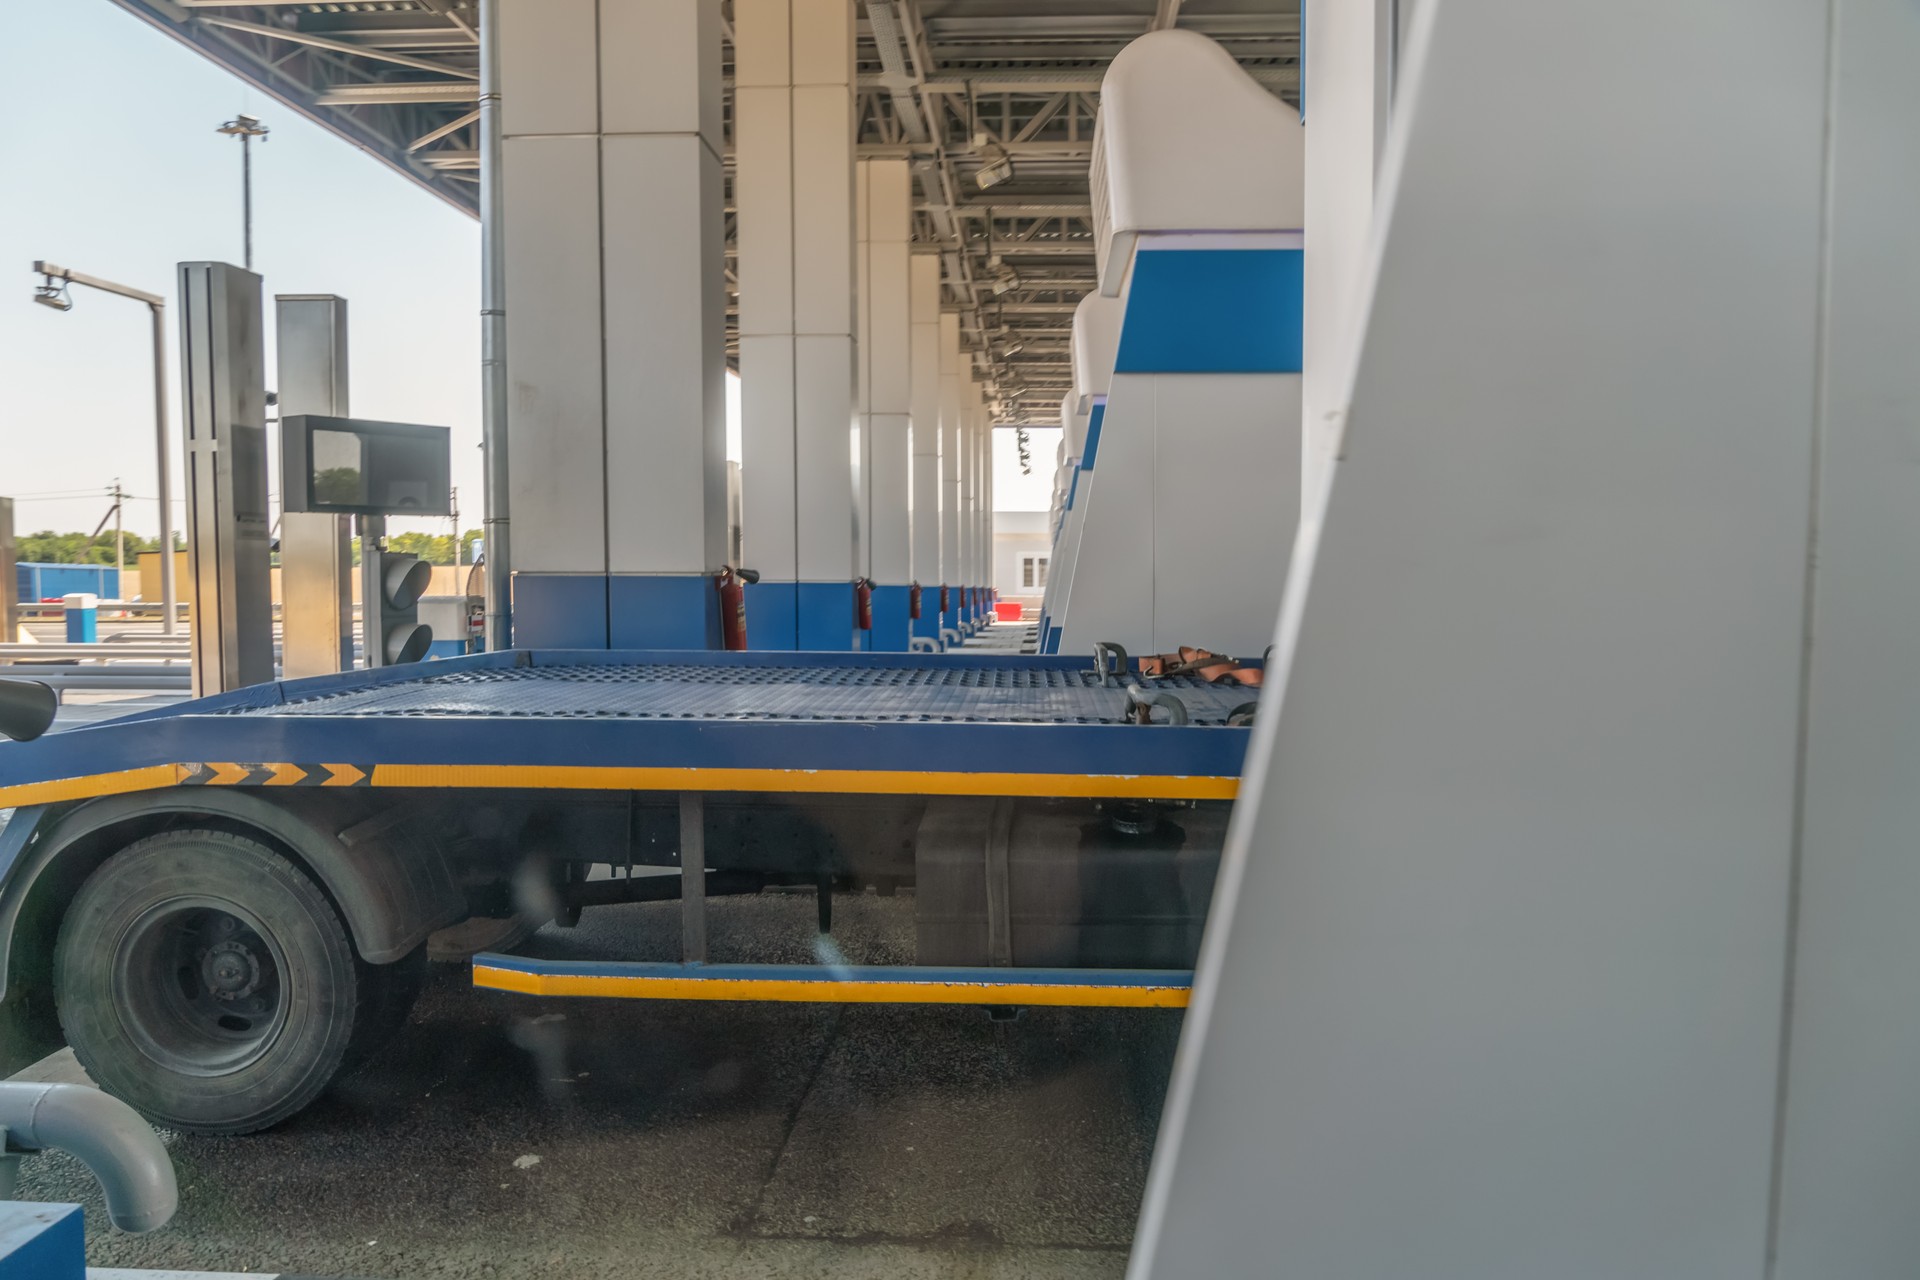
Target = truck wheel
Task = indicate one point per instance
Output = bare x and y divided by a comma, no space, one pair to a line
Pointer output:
204,979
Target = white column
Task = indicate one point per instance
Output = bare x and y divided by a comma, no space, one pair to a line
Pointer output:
987,544
976,492
985,501
1525,870
952,465
793,188
1350,46
886,383
925,286
963,566
616,319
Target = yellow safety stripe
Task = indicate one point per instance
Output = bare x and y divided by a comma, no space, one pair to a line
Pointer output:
827,991
87,788
614,778
814,781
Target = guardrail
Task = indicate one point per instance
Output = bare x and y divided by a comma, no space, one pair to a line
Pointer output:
150,650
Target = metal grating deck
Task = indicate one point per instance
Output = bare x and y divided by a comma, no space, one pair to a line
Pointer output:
931,694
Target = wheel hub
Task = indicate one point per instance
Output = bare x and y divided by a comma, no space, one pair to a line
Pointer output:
230,970
200,987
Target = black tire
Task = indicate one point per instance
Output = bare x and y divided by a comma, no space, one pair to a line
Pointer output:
207,981
387,995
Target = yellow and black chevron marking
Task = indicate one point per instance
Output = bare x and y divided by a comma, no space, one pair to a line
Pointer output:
248,774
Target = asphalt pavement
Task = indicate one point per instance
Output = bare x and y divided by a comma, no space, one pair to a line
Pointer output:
502,1136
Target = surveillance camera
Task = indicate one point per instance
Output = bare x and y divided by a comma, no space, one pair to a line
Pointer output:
48,295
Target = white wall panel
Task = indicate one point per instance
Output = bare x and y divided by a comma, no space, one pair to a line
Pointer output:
1348,46
823,421
924,284
1851,1161
762,192
887,342
553,334
952,461
766,441
666,406
1225,502
671,93
822,51
760,48
547,56
822,203
890,557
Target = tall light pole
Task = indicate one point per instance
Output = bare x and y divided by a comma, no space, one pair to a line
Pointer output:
245,128
52,292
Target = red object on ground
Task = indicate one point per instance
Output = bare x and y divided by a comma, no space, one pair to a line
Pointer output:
1007,611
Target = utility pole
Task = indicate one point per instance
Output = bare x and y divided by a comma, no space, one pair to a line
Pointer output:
114,513
454,503
119,539
246,128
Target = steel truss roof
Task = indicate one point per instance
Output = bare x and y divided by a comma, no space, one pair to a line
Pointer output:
951,85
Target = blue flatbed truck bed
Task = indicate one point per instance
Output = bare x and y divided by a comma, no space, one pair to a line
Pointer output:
224,904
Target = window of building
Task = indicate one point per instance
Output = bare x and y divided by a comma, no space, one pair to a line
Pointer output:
1033,571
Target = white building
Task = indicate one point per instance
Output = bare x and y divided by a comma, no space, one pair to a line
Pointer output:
1021,550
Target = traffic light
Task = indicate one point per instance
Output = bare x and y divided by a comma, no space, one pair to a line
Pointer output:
394,633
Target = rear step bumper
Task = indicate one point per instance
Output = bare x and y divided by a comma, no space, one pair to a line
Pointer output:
836,984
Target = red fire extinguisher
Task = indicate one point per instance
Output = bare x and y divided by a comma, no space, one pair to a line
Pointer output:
863,603
913,602
731,584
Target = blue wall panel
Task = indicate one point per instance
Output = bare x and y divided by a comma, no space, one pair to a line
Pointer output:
1212,311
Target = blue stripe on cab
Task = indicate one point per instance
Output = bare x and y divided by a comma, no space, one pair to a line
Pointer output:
834,973
1212,311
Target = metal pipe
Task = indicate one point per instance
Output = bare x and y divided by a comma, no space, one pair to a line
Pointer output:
107,1136
496,523
96,652
177,678
656,888
27,709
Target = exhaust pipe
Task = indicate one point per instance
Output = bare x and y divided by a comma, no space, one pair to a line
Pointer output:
107,1136
27,709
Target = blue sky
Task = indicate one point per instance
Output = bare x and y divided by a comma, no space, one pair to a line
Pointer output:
109,164
112,167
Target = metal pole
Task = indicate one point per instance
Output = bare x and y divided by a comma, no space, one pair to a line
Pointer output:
169,623
158,306
246,200
693,877
495,521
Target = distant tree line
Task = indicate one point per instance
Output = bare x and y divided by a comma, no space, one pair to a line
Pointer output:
48,547
434,548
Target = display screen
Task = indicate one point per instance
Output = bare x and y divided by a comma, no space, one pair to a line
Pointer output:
352,467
